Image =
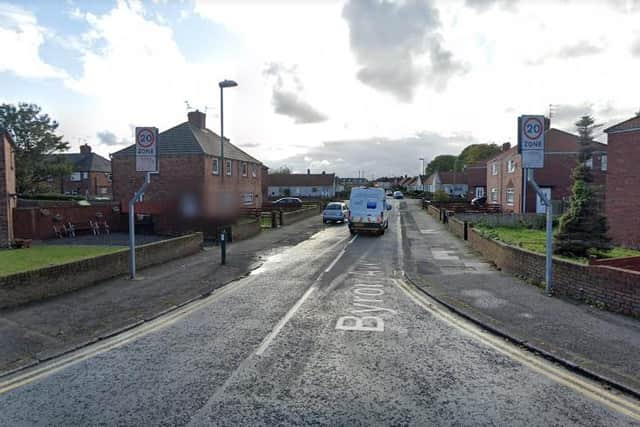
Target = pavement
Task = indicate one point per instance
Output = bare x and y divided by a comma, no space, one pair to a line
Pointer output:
36,332
325,332
594,341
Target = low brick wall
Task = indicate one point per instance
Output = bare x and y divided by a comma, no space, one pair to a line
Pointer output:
299,215
245,230
34,285
628,263
613,288
456,227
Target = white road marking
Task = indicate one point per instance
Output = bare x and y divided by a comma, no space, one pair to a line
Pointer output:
269,338
428,231
328,269
365,323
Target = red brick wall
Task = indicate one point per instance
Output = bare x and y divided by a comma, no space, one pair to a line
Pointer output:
37,223
623,188
476,177
618,290
86,186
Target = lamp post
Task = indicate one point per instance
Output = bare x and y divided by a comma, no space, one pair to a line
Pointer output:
422,173
223,84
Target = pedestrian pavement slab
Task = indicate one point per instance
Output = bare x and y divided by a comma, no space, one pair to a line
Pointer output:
601,342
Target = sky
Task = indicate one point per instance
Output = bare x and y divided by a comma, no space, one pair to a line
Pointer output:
346,86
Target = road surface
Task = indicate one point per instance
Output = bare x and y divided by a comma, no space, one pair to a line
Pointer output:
326,332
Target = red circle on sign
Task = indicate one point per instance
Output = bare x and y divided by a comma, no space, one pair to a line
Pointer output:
540,127
144,143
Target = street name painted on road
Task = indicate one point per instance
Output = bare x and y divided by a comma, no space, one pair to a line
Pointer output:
367,299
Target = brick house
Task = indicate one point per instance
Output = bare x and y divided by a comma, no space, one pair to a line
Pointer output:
190,192
322,185
7,188
91,175
505,179
452,183
476,174
622,204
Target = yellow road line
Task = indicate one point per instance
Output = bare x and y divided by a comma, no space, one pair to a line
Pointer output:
622,404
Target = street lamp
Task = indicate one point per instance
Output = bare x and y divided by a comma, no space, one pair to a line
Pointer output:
223,84
422,173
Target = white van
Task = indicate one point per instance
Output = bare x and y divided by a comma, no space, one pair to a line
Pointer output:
368,210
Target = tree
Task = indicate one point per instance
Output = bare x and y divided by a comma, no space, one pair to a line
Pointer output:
282,170
34,135
583,228
478,152
442,163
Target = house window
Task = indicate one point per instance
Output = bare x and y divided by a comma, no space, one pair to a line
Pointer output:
494,169
247,199
589,163
254,170
511,195
228,168
85,175
511,166
314,190
494,195
215,166
244,169
479,191
75,177
603,162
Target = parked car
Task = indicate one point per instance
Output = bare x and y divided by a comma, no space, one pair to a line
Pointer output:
479,201
398,195
287,202
335,212
368,210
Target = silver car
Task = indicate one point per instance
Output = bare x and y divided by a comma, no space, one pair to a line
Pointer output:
335,212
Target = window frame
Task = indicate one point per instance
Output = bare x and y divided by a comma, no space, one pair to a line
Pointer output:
215,166
228,167
510,191
494,168
254,170
604,163
511,166
494,194
75,177
244,167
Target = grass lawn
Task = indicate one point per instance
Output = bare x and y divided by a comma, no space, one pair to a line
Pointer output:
535,240
17,260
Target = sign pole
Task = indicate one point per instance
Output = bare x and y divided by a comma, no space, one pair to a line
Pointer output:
146,150
531,132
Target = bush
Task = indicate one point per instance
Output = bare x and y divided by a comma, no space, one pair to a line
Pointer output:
440,196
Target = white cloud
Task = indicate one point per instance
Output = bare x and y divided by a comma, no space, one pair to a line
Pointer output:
21,38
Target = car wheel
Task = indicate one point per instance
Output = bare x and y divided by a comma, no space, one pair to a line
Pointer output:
381,232
352,232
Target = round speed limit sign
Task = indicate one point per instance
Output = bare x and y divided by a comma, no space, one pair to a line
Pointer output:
533,128
146,138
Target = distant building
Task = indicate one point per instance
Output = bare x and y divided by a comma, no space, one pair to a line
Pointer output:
505,179
7,187
90,176
452,183
622,205
321,185
346,184
476,174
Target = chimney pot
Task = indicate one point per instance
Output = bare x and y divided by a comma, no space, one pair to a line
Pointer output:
308,171
506,146
197,119
85,149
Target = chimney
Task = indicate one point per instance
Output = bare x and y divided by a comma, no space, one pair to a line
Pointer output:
308,171
323,172
197,119
85,149
506,146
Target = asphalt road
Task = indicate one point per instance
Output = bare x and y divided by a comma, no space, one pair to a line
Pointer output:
326,332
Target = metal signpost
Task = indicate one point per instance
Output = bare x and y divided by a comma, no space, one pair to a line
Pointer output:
531,148
146,161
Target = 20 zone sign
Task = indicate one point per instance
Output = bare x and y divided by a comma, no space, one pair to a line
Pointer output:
146,149
531,141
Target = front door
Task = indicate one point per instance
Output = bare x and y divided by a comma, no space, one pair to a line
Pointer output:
540,207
